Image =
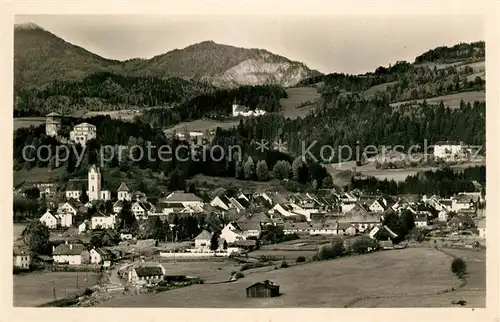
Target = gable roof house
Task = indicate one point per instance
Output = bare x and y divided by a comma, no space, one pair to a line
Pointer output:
222,202
100,256
75,187
49,220
345,228
421,220
146,273
461,222
187,199
382,229
232,232
72,254
124,193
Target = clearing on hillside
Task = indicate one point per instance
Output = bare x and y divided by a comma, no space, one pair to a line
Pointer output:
332,283
296,97
452,100
20,122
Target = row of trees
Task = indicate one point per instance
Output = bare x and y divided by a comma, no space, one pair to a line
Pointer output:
444,182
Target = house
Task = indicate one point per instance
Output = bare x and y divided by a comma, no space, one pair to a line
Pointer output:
348,197
377,205
461,201
75,187
49,220
263,289
83,226
232,232
202,241
82,133
240,110
73,254
347,229
46,189
481,227
250,228
461,222
124,192
443,216
95,189
447,149
117,206
326,228
65,213
100,256
421,220
142,210
378,230
146,273
361,219
185,198
221,202
22,257
247,244
125,235
103,221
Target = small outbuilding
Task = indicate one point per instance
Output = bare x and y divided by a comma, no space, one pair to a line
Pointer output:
263,289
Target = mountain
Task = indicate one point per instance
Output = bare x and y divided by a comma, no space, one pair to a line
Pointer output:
41,57
224,65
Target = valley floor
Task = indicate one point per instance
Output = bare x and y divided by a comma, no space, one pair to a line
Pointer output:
336,283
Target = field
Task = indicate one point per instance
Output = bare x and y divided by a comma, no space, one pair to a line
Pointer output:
474,292
34,289
319,284
452,100
125,115
298,96
341,172
374,89
200,125
20,122
229,181
37,175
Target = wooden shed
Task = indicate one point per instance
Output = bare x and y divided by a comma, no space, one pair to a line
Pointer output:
263,289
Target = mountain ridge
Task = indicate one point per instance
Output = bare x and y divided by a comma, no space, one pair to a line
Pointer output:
41,57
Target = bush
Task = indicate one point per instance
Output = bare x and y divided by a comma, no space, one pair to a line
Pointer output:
284,264
459,267
332,250
300,259
239,275
315,257
362,245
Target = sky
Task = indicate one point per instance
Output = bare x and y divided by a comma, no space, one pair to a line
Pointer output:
344,43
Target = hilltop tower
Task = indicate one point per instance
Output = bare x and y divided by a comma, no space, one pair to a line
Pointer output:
94,179
53,124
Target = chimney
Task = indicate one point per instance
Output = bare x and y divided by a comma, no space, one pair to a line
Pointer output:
66,242
70,246
53,248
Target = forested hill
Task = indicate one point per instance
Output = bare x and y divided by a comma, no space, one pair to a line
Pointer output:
459,52
106,91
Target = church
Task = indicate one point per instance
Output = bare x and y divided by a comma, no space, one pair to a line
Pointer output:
94,188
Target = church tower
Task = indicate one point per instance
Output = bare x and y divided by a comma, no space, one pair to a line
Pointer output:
94,179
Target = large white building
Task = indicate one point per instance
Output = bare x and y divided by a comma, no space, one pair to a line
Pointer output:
447,149
240,110
95,191
82,133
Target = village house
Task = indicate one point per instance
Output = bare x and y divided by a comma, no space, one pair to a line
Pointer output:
460,202
232,232
360,218
325,228
348,197
421,220
103,221
84,226
202,241
447,149
82,133
348,229
100,256
49,220
124,192
146,273
75,187
459,222
126,235
22,257
142,210
443,216
376,232
185,198
296,228
46,189
72,254
240,110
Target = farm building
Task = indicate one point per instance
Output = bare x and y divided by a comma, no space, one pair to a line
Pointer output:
263,289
